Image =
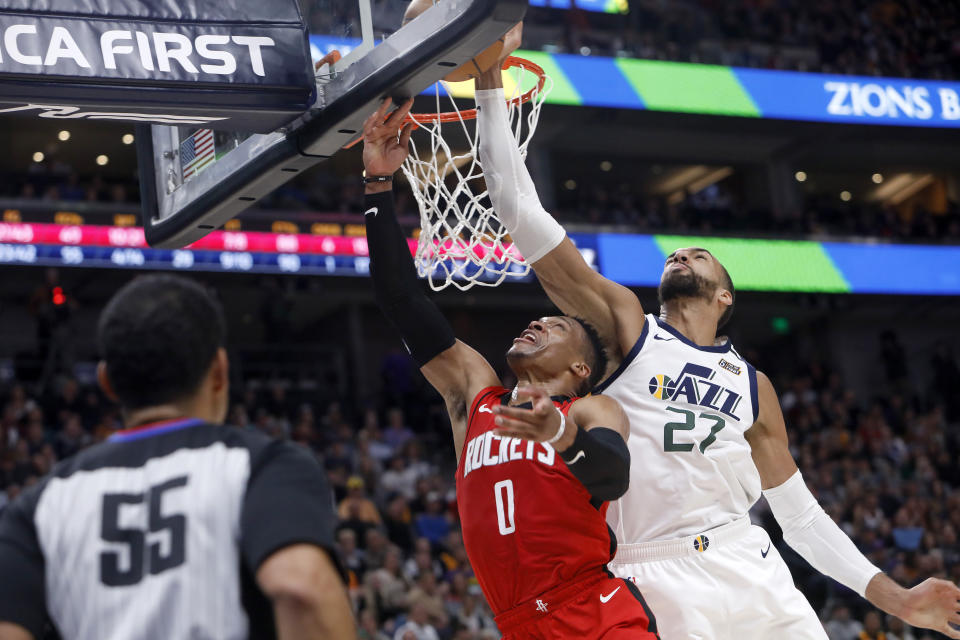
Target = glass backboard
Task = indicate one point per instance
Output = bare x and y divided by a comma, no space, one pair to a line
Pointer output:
196,179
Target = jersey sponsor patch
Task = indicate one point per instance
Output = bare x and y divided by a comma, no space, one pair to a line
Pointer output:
729,366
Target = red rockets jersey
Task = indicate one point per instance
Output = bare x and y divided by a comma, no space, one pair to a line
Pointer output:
528,523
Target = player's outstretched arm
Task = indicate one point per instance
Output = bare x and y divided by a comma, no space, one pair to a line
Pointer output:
454,369
808,529
309,601
591,439
569,281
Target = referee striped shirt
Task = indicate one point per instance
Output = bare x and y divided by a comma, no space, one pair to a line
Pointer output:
158,533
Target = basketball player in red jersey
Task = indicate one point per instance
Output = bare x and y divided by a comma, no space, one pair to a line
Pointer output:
537,465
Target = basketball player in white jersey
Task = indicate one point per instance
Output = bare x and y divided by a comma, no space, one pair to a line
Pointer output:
176,526
707,437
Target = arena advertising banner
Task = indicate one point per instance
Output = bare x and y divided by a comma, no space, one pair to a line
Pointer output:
790,265
630,259
749,93
156,61
602,6
626,83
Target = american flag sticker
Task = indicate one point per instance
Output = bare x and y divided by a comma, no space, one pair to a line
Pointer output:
197,152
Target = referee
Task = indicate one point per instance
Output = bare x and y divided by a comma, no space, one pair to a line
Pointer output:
178,526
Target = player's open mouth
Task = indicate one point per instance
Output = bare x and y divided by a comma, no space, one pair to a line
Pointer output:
527,336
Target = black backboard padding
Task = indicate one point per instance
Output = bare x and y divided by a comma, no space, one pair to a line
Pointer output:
207,11
269,84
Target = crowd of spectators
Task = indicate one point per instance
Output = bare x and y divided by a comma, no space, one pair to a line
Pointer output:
715,210
55,182
884,467
910,39
899,38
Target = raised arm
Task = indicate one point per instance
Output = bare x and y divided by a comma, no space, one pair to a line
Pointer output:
569,282
807,528
454,369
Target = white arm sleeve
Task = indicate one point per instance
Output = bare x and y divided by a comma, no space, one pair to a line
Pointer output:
815,536
511,189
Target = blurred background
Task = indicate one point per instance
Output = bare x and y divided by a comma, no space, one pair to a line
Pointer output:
844,225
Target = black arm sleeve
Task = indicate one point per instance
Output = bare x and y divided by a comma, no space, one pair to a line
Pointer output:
401,297
287,502
600,459
22,593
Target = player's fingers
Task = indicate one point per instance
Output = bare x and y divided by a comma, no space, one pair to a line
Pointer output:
404,109
543,405
520,435
518,413
405,135
369,123
509,423
951,631
393,122
375,120
382,111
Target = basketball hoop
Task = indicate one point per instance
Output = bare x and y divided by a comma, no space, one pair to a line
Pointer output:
461,240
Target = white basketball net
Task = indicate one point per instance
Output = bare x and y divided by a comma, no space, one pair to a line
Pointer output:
461,240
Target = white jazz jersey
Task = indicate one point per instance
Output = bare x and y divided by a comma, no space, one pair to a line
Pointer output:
688,407
158,533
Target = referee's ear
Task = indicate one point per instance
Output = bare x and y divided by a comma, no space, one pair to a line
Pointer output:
219,380
103,379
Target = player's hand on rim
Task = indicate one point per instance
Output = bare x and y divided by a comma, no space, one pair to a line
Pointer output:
386,142
934,604
538,423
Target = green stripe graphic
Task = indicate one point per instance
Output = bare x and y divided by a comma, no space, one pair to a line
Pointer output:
692,88
563,91
617,6
767,265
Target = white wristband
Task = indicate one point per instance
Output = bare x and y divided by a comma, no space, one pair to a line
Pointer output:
563,426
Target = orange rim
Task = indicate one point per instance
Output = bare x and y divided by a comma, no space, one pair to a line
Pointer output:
471,114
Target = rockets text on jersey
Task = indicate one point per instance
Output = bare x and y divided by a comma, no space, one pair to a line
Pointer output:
489,449
528,523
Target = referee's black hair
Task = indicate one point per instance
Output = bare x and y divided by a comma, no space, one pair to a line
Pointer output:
158,336
597,359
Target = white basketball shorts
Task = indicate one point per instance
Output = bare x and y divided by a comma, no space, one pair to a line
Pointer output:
728,583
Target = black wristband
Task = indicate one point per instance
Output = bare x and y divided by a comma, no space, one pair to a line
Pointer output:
374,179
